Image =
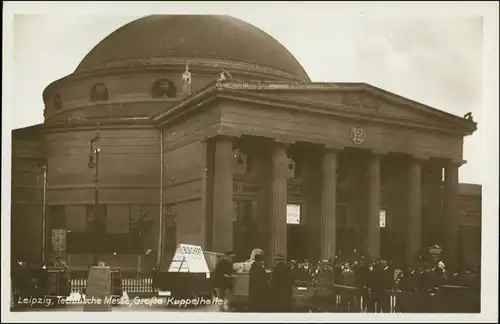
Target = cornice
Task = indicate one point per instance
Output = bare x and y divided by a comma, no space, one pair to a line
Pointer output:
363,87
342,111
116,102
91,124
195,62
242,91
254,92
162,64
186,105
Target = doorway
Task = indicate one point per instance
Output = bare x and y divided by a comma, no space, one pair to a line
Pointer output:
245,229
297,247
388,249
297,235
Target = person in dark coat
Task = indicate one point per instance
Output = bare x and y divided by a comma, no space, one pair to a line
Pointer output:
257,286
378,284
223,273
281,286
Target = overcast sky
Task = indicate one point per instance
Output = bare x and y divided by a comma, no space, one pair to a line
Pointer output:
433,59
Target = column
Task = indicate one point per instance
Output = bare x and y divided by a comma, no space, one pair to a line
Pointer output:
328,204
414,222
435,204
279,200
222,239
373,245
451,213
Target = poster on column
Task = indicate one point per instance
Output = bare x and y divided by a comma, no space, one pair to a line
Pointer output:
382,217
292,214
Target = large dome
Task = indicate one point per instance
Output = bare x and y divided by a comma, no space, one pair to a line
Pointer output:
211,37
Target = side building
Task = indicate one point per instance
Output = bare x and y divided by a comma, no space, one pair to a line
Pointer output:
470,229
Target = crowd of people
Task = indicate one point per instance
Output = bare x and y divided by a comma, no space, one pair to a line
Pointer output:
269,290
361,273
272,290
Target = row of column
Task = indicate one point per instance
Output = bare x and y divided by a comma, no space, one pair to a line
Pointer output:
223,202
413,244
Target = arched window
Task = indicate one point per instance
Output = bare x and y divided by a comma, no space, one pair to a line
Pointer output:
99,92
163,89
56,102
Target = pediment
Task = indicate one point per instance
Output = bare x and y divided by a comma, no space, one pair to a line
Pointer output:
376,104
364,100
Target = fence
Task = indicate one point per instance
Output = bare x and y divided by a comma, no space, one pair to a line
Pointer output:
132,283
449,299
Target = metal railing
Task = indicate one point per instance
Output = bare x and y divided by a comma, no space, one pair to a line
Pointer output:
132,283
446,300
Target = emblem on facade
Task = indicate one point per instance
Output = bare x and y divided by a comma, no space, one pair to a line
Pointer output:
357,135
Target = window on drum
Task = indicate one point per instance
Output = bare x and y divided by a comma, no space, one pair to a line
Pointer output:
99,92
163,89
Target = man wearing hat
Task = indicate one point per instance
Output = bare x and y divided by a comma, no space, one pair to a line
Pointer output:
281,286
257,286
222,277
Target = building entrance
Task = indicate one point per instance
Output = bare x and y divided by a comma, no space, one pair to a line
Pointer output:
297,242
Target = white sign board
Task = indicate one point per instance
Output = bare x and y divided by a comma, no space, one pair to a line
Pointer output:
382,218
189,258
292,214
59,240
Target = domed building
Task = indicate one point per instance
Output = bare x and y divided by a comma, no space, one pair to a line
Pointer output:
205,130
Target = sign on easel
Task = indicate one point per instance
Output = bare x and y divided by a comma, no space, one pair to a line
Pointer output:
189,258
59,240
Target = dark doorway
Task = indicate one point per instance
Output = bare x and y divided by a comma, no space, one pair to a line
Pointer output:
245,230
385,238
297,247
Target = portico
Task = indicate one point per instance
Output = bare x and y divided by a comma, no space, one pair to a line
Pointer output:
361,176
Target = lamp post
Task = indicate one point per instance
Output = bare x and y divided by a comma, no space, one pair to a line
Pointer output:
94,164
44,211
